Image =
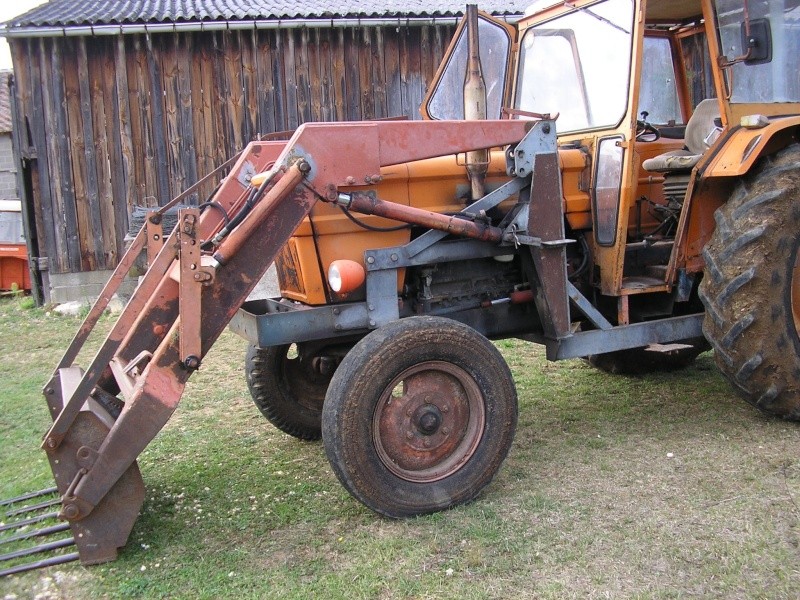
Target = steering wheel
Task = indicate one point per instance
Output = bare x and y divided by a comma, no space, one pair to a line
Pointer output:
645,132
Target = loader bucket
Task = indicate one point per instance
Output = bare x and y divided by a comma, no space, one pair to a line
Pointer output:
103,418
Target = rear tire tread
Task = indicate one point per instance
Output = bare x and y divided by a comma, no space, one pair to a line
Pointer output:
747,288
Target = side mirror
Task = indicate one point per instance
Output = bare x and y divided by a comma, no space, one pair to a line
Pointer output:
758,44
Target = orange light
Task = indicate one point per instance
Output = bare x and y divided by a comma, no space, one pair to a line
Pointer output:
345,275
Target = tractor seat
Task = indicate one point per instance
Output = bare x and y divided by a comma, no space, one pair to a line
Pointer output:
701,131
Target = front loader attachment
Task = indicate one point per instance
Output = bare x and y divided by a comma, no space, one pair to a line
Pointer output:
197,279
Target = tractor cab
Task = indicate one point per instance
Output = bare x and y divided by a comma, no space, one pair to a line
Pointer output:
651,98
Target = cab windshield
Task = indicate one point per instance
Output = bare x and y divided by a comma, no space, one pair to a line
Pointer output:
775,78
578,65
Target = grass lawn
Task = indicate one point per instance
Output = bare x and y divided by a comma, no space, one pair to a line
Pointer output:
666,486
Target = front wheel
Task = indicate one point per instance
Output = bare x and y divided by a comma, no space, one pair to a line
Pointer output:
419,416
751,286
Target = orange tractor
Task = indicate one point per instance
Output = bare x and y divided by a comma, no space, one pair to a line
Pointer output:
612,179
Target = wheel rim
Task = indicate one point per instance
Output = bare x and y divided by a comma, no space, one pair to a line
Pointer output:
429,421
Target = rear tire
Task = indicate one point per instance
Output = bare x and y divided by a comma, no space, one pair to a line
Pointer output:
751,287
419,416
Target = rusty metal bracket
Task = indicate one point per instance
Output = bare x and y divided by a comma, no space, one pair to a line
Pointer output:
536,156
154,235
191,286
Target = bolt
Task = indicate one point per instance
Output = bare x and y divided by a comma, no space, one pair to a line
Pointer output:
371,306
197,276
409,435
370,259
546,128
372,322
445,431
367,179
49,391
304,166
376,178
426,443
158,330
51,443
156,237
409,412
350,180
445,408
338,326
70,511
192,362
192,267
336,311
394,257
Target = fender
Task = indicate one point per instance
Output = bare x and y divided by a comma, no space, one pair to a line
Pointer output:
743,147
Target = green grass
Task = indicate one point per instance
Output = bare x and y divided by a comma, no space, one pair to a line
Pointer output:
666,486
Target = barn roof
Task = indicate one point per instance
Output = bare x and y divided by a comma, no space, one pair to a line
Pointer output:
66,13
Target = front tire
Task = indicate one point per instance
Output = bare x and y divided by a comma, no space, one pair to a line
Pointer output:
751,287
419,416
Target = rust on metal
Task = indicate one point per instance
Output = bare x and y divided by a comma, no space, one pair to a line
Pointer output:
369,205
429,421
190,308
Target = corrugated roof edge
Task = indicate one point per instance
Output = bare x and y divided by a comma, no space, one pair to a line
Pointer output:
217,25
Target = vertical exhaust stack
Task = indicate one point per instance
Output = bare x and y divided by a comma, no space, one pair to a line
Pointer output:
475,103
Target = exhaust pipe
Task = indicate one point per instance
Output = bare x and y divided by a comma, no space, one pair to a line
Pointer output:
475,104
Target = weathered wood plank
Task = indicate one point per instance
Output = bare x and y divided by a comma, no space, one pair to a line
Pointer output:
279,80
169,80
416,82
325,74
98,54
391,57
202,125
249,84
137,98
265,90
339,79
124,182
92,194
378,72
367,100
77,146
188,152
219,103
353,92
311,39
235,101
293,116
157,120
49,224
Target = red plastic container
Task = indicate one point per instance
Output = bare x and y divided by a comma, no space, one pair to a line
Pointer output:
14,273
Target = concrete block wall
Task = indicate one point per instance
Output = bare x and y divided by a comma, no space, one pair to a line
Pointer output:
8,171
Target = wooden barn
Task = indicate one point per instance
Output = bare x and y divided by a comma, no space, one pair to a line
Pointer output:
126,104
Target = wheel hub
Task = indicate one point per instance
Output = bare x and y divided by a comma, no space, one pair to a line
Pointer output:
427,419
